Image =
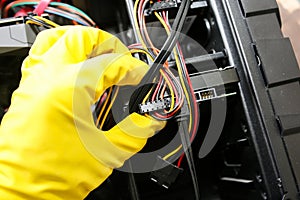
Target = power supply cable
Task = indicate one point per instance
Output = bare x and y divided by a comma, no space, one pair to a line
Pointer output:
56,8
186,125
162,56
169,44
40,21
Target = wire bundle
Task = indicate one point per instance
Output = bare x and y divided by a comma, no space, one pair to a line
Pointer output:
179,91
40,21
104,105
63,10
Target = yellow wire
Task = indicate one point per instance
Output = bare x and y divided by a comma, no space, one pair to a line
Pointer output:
109,107
145,99
147,96
177,63
166,27
163,90
103,107
142,51
184,88
162,22
33,22
172,153
171,89
46,20
168,32
189,104
154,49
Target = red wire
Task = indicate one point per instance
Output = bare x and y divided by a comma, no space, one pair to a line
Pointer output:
164,17
172,85
2,3
41,7
170,114
196,114
140,13
8,7
180,160
23,12
196,117
156,89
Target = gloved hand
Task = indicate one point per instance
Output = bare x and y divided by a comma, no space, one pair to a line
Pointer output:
49,145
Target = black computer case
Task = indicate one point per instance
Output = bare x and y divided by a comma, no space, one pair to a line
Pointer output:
249,151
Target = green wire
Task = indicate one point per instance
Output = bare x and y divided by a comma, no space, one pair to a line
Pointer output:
54,4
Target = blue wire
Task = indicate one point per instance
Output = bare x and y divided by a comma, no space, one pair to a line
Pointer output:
54,4
72,7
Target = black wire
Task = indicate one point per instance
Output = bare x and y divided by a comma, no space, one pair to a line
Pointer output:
177,88
146,50
170,43
189,156
46,25
165,52
189,91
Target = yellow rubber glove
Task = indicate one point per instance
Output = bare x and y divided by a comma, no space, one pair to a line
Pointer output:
49,145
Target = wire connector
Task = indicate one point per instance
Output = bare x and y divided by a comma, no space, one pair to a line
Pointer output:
155,105
163,5
207,94
166,174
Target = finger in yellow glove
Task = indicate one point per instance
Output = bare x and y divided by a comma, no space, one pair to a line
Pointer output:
50,147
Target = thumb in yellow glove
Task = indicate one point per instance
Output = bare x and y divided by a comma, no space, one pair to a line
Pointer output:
50,147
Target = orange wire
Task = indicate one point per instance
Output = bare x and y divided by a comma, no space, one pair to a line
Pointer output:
8,7
155,50
77,13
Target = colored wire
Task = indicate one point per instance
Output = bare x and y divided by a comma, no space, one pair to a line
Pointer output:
177,62
140,46
168,83
173,88
143,29
34,2
162,55
142,51
75,9
172,153
103,107
46,21
186,84
137,24
194,105
109,107
71,9
40,21
2,3
12,5
66,15
180,160
87,18
169,44
41,6
166,27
